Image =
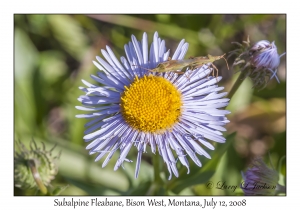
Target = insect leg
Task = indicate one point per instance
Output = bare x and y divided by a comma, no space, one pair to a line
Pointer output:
179,72
226,62
216,70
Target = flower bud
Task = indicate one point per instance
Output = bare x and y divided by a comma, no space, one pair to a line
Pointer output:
260,45
265,57
260,62
259,179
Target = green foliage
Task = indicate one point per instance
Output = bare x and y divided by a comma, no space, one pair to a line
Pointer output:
54,52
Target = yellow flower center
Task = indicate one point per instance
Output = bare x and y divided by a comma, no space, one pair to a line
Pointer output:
151,104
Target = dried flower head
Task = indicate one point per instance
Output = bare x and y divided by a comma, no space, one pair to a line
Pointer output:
259,179
34,168
260,62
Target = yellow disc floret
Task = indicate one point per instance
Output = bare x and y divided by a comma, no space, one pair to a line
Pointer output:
151,104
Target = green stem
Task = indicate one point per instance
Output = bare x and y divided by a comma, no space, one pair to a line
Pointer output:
37,177
156,166
157,183
236,85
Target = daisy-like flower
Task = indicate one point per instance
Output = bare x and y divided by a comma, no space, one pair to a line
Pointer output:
259,179
260,61
135,107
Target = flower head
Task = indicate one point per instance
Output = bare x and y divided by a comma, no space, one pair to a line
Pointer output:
259,179
136,107
34,168
260,61
264,55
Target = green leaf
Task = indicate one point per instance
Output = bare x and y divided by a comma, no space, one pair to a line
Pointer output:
52,66
193,180
69,33
242,96
141,189
58,190
94,189
26,56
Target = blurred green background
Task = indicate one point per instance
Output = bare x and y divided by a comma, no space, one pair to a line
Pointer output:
54,52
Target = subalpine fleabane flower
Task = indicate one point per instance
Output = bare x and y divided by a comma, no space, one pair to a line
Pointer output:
260,62
259,179
135,107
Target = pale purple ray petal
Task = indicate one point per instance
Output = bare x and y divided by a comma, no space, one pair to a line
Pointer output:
137,50
88,84
92,122
184,49
207,144
155,47
161,50
178,50
109,82
128,68
118,66
179,151
145,48
102,131
138,159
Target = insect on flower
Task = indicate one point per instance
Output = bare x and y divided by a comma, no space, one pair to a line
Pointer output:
134,107
180,66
